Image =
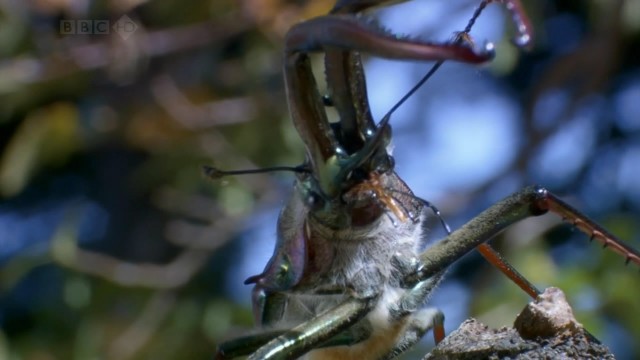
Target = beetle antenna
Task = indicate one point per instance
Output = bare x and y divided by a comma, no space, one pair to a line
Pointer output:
215,173
435,210
413,90
460,38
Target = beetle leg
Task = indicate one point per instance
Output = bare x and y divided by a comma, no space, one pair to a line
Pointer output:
531,201
313,333
269,307
246,345
416,297
494,258
420,322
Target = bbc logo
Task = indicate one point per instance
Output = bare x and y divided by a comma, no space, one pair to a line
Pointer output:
124,27
84,27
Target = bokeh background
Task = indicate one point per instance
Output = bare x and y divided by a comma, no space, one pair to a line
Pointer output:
114,246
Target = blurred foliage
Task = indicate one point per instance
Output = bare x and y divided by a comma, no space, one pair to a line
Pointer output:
113,245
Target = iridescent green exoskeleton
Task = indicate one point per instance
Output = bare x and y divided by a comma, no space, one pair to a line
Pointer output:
349,278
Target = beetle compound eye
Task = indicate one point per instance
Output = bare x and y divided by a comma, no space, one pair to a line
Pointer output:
386,165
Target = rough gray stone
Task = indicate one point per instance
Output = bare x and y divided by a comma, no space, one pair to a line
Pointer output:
550,328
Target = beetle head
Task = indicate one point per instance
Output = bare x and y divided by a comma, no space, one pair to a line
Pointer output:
349,159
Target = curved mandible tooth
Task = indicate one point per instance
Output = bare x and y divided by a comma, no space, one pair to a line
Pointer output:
524,37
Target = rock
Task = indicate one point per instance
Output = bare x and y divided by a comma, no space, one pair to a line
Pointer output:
547,316
545,329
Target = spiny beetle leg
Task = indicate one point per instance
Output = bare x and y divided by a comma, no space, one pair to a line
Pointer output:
531,201
550,202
